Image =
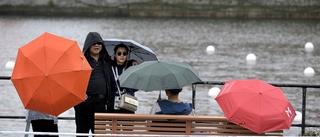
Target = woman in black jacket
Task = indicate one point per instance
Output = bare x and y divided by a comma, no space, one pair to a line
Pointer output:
120,64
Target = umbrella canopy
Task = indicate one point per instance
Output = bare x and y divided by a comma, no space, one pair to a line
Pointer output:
51,74
159,75
255,105
136,51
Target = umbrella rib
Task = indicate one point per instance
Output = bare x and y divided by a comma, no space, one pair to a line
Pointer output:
60,58
135,51
33,64
174,76
273,96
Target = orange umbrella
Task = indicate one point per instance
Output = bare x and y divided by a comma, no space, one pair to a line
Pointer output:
51,74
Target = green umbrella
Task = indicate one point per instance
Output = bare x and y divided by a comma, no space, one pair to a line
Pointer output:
159,75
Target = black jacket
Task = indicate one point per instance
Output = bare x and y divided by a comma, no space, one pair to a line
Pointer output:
92,38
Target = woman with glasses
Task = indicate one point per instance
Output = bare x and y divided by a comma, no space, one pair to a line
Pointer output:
119,65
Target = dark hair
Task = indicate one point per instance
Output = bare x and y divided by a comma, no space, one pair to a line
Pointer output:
129,63
115,50
175,91
120,46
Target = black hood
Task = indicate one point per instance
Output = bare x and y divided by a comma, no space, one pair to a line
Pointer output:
92,38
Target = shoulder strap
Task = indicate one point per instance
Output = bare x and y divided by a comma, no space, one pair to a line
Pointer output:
116,80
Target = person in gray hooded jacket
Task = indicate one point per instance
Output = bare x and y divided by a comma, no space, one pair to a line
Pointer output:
98,90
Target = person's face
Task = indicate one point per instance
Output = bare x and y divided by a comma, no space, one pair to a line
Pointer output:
135,63
95,49
121,55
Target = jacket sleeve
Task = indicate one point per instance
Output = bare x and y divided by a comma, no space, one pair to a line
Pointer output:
155,108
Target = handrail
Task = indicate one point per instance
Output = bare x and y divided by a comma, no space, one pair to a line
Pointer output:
24,117
274,84
304,87
5,77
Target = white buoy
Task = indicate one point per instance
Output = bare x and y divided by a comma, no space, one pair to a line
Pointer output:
251,58
308,47
309,72
210,49
213,92
298,117
10,65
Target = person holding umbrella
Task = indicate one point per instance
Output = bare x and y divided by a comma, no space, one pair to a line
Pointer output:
120,63
159,75
173,105
98,90
42,122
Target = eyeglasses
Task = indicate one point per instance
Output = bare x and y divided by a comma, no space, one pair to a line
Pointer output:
99,44
123,53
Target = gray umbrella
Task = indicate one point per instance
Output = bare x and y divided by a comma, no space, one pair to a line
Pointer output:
137,51
159,75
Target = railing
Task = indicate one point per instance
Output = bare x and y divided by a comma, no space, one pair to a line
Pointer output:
303,124
5,77
23,117
304,88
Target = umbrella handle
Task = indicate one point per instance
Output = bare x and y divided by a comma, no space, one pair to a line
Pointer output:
159,97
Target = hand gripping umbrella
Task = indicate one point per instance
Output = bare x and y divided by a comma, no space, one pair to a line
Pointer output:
255,105
51,74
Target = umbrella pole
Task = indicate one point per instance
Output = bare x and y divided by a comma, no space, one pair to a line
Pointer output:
159,97
27,128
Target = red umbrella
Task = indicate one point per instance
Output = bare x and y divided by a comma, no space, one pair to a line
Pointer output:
255,105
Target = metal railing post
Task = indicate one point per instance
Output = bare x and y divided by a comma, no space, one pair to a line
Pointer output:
193,96
303,122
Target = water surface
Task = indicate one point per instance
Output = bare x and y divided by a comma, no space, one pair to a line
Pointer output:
278,45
